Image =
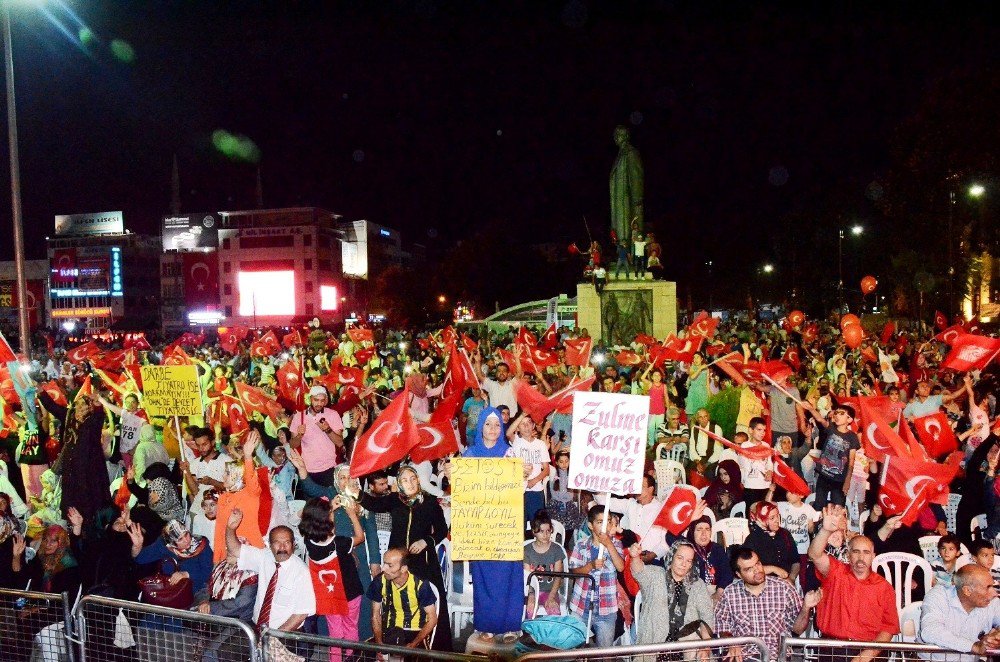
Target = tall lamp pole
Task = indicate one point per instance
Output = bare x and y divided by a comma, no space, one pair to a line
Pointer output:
15,187
855,230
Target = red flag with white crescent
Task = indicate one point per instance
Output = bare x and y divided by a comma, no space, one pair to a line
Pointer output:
704,326
578,351
971,352
328,586
788,479
55,392
293,338
949,335
290,383
526,337
935,434
550,338
940,320
758,452
877,436
909,484
468,344
628,357
437,439
461,375
359,336
82,352
791,357
388,440
254,399
678,510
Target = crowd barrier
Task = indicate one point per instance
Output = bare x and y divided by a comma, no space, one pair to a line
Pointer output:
109,630
41,627
33,626
831,650
279,646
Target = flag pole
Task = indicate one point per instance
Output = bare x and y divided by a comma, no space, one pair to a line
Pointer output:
781,388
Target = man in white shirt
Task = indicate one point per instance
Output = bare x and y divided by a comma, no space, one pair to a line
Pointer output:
501,389
757,472
639,514
534,453
964,617
285,595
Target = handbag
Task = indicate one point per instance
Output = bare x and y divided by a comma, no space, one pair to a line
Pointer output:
157,589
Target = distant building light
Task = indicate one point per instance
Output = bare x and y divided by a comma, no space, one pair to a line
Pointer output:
204,317
384,232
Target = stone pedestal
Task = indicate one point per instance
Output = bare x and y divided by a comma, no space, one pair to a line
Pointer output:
625,308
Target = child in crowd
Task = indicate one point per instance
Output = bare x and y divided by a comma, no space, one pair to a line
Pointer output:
949,548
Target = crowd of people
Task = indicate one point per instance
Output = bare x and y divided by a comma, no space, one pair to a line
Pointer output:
275,508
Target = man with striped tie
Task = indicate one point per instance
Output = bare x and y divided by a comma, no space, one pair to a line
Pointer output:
284,591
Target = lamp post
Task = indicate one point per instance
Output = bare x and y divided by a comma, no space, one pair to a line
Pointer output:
855,230
15,187
710,285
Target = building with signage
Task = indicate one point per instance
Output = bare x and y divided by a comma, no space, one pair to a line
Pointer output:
37,274
99,275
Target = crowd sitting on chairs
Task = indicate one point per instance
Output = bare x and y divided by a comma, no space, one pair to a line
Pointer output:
258,511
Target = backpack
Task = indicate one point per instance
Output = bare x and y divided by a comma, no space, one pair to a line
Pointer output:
547,633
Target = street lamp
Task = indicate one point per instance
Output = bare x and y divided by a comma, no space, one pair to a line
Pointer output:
15,187
855,230
768,268
977,190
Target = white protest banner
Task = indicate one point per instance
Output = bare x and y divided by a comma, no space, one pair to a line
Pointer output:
608,450
130,426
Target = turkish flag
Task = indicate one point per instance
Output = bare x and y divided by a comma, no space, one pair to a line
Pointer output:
438,438
646,340
349,376
758,452
389,439
539,358
887,332
359,336
971,352
461,375
526,337
877,437
136,341
233,415
550,338
538,406
936,434
293,339
86,389
628,357
328,586
468,344
259,350
791,357
683,350
424,343
290,383
448,335
777,370
704,326
908,484
254,399
916,448
55,392
82,352
578,351
715,349
176,356
229,338
940,320
732,364
810,333
950,334
363,356
868,354
678,510
562,400
113,360
788,479
270,340
201,280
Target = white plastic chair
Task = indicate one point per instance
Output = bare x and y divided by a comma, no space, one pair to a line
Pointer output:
533,585
558,532
679,453
734,530
928,547
739,510
899,568
460,602
909,623
951,511
443,550
672,469
977,525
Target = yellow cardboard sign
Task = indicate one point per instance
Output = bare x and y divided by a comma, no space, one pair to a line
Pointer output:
171,390
487,509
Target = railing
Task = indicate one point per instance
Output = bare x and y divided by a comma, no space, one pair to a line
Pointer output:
278,646
34,624
833,650
109,629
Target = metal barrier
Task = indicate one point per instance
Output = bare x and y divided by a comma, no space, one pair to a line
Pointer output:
118,630
34,626
833,650
709,650
281,646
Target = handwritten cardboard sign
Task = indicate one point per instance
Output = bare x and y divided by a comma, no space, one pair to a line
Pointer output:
487,509
171,390
609,442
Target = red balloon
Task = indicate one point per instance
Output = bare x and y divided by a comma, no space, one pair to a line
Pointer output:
796,318
853,335
868,285
850,319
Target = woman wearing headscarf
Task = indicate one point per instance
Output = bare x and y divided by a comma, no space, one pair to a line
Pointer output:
81,462
710,558
498,595
103,549
418,525
9,526
773,544
726,490
192,555
676,603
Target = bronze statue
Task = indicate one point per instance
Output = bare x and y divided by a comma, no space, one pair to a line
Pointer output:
626,188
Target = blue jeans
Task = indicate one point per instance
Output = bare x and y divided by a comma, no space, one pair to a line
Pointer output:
603,627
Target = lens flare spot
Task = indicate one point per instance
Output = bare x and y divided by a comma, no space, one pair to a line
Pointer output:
123,51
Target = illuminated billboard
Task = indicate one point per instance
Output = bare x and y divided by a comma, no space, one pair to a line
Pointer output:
328,297
354,249
105,222
190,232
266,293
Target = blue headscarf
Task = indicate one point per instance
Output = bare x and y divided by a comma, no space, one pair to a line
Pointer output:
478,448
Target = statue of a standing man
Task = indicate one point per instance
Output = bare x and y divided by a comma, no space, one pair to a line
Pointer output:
626,188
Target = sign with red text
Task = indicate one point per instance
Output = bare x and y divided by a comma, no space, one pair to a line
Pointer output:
609,442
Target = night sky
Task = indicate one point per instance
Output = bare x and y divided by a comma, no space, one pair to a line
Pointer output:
439,118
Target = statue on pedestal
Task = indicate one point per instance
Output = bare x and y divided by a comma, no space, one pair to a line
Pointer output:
626,188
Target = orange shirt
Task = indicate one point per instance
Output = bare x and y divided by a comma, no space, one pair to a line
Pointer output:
248,501
855,609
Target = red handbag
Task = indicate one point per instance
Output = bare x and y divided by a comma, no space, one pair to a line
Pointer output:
157,589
